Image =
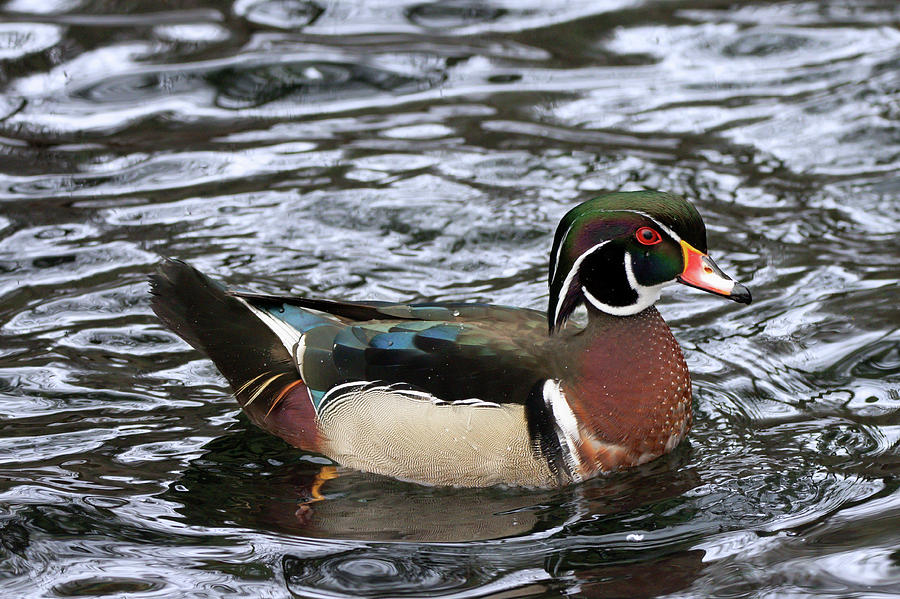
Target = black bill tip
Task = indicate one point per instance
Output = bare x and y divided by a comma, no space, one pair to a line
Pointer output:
740,294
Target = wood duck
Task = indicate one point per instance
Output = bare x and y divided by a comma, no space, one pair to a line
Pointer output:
472,394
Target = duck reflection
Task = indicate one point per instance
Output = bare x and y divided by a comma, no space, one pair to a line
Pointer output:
642,579
249,479
376,535
291,492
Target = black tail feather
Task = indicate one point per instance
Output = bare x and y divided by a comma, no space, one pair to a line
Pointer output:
203,313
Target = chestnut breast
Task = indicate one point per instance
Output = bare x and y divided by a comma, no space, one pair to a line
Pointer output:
630,390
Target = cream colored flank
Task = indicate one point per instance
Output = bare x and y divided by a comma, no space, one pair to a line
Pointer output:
411,436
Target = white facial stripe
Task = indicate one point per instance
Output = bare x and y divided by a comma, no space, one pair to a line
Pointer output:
629,273
647,295
571,276
664,228
562,241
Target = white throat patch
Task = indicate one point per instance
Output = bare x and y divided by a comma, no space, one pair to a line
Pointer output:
647,295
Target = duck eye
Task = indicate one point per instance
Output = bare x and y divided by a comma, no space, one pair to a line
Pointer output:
647,236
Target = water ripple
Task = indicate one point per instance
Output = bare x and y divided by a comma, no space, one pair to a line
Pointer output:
283,14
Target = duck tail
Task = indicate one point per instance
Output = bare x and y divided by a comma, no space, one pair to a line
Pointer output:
246,351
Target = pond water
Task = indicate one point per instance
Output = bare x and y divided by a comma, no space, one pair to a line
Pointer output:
408,150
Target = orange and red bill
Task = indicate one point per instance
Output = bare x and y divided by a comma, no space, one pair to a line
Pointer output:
701,272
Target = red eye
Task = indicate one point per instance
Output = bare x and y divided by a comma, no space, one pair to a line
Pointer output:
647,236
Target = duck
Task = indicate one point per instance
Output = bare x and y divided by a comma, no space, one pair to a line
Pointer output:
471,394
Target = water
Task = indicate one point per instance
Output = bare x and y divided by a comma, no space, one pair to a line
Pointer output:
421,151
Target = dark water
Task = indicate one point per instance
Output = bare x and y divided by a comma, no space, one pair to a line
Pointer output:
425,151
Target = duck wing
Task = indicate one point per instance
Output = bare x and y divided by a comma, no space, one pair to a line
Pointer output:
455,352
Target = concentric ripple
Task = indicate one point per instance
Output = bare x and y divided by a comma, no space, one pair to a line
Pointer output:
369,573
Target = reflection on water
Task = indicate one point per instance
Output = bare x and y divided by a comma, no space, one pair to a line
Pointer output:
289,491
426,150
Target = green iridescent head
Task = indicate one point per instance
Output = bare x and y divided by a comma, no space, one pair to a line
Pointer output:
617,251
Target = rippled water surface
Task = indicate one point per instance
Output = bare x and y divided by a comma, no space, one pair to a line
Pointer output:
399,151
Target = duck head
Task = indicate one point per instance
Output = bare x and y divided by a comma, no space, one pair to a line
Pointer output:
616,253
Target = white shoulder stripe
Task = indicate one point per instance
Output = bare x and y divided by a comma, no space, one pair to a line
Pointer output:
566,425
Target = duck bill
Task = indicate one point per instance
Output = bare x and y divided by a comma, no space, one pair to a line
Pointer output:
701,272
